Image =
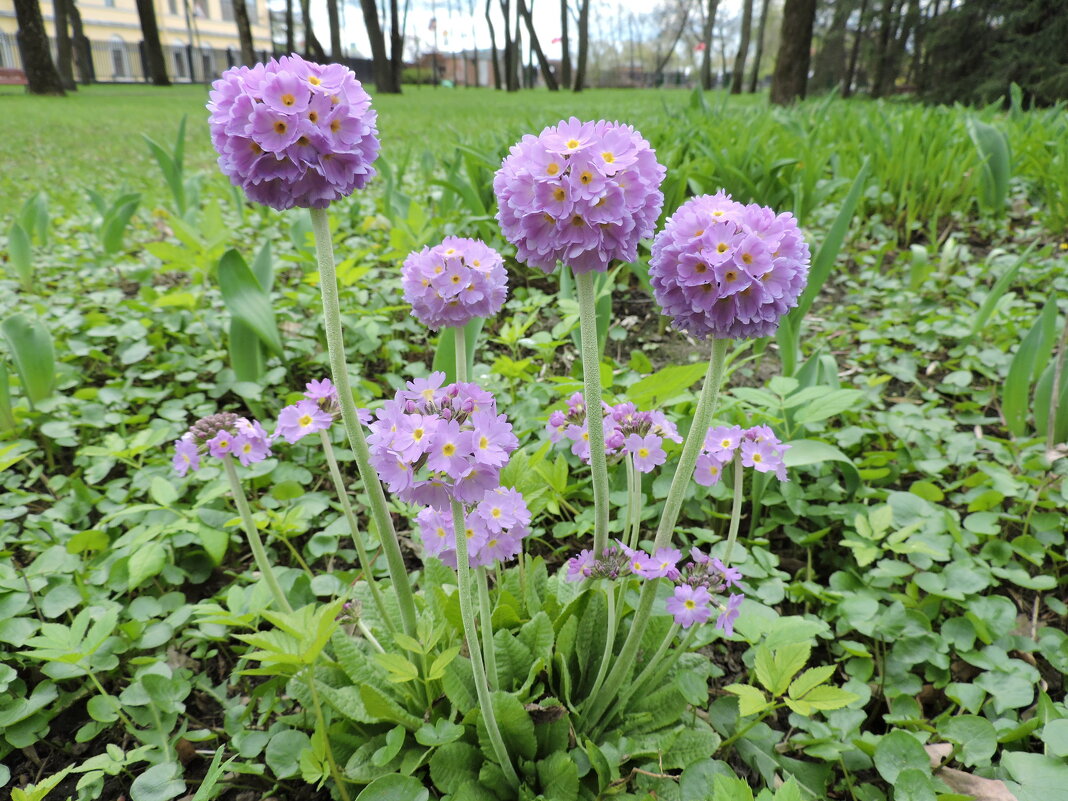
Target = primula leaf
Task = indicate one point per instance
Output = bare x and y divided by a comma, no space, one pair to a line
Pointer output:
31,349
21,255
247,300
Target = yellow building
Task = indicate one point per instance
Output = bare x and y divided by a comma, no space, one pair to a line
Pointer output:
199,37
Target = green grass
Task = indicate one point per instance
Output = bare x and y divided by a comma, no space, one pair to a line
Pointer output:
92,138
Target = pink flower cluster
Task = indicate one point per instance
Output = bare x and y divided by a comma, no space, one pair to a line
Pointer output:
432,444
454,282
293,133
627,431
697,582
313,414
582,193
220,435
760,449
495,529
726,270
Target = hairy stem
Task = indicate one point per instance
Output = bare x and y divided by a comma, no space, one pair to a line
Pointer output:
485,617
335,344
354,529
253,536
460,345
591,376
467,614
736,509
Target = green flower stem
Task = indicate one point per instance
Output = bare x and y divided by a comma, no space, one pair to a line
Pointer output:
736,509
354,529
485,617
634,497
460,346
702,418
652,667
467,614
253,535
591,376
335,344
321,721
609,642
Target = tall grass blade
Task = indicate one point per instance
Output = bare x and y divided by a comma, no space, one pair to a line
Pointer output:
1030,359
21,255
1001,286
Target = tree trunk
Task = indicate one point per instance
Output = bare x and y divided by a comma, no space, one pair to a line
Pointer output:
661,63
795,41
854,53
546,69
882,49
155,66
42,77
65,58
291,38
565,48
706,54
313,50
759,46
511,55
583,44
493,47
517,50
396,45
380,66
244,33
738,74
334,21
82,53
828,70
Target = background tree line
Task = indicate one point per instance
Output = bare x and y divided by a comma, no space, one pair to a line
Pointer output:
938,50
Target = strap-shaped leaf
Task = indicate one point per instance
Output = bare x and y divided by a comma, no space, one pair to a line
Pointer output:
247,300
31,348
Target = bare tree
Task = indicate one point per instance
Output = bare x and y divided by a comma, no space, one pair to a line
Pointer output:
64,51
706,34
684,18
291,39
583,44
334,22
788,82
493,46
854,53
244,32
82,53
743,48
828,70
312,48
546,69
155,66
565,47
381,69
42,77
759,45
396,44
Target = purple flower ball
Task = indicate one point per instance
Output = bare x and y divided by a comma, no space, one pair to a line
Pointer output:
582,193
293,133
454,282
726,270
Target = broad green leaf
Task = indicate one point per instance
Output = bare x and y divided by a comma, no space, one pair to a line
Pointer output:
162,491
158,783
993,148
1031,357
146,562
400,669
804,452
113,228
810,679
898,751
30,346
21,255
976,736
394,787
665,384
515,725
445,353
283,752
247,300
750,699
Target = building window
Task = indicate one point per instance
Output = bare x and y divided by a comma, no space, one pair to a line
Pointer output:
181,61
7,55
200,9
119,66
227,8
109,3
253,12
172,6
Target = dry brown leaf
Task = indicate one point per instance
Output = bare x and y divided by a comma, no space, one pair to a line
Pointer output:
961,782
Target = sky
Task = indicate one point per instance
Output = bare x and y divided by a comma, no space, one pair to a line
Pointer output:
457,31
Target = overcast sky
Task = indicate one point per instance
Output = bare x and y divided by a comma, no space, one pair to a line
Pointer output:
456,31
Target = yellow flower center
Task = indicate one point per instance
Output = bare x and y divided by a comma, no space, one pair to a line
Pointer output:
572,144
717,213
417,434
280,127
303,141
726,443
335,126
721,247
305,421
496,511
455,279
757,457
577,221
314,80
450,252
255,148
643,453
700,268
559,194
731,276
313,116
483,442
698,233
747,258
689,604
440,532
585,177
448,449
608,157
552,168
288,99
247,447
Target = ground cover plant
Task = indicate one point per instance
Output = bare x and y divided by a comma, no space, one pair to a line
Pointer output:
281,627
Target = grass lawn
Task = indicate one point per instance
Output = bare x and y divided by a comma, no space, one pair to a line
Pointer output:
92,138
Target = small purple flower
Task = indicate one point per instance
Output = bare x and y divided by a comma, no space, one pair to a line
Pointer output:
731,575
662,564
645,451
221,444
186,454
323,390
454,282
690,605
729,613
708,470
301,419
581,192
723,441
293,133
726,270
579,567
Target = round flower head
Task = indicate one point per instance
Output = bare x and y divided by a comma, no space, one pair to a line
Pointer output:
582,193
293,133
627,430
451,283
495,529
433,444
726,270
221,435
